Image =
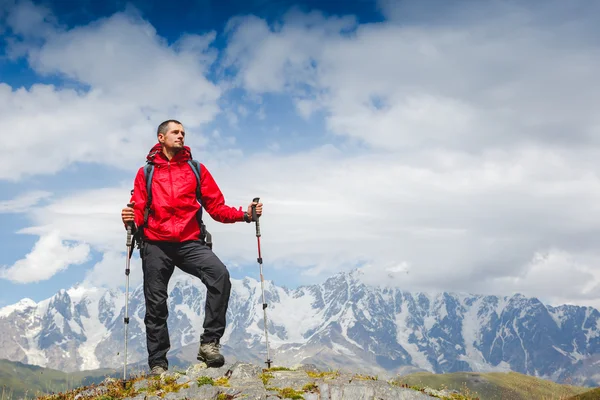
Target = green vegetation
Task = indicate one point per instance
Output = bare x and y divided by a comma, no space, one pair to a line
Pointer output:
21,380
114,389
265,377
324,374
492,385
364,377
222,381
26,381
289,393
205,380
593,394
272,369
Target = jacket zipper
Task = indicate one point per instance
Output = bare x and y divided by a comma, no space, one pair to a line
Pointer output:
172,199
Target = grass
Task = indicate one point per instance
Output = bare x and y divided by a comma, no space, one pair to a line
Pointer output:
492,385
205,380
18,380
592,394
273,369
265,377
222,381
115,389
324,374
29,382
364,377
287,392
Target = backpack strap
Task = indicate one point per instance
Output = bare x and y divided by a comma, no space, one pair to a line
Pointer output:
195,164
148,173
204,234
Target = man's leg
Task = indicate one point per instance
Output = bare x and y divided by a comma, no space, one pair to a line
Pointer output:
158,267
199,260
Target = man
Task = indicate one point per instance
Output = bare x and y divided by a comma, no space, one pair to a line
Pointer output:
173,237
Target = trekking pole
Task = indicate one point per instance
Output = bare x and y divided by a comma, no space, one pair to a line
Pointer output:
262,280
126,319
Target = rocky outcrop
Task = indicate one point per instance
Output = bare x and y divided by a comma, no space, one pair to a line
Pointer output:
248,381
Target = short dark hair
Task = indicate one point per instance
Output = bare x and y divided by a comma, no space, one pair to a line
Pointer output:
162,128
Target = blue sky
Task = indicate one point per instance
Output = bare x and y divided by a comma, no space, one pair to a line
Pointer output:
437,145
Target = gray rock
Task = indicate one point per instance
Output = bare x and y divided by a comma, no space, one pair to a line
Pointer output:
311,396
241,371
143,384
307,368
172,396
245,383
252,393
214,373
198,392
195,371
441,393
359,390
289,379
92,392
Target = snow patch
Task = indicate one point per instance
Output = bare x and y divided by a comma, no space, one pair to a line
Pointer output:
403,332
558,316
21,306
338,348
93,329
346,321
428,322
195,321
471,328
564,353
35,355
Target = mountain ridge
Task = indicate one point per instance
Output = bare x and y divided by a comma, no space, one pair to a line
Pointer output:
342,321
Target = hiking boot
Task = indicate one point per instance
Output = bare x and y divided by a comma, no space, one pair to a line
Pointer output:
209,353
157,370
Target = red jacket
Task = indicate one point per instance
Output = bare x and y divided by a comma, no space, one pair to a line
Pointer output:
172,216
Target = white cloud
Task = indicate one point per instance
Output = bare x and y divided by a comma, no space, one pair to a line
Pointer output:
478,137
110,271
92,216
467,159
445,225
23,202
29,19
134,78
50,255
482,84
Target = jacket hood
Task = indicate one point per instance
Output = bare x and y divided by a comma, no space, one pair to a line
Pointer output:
155,155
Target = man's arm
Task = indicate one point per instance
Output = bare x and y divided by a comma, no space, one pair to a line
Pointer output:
214,202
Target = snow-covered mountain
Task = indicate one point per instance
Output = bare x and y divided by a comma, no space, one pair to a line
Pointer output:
340,323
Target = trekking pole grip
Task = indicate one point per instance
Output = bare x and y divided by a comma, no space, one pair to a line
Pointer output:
254,216
129,228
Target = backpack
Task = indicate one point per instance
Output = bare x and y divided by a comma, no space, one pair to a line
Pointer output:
195,165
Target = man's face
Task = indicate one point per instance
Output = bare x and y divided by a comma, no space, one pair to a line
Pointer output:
173,138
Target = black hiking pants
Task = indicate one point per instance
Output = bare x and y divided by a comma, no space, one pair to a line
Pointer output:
159,260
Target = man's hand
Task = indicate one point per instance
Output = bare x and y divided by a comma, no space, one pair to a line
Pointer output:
258,209
127,215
